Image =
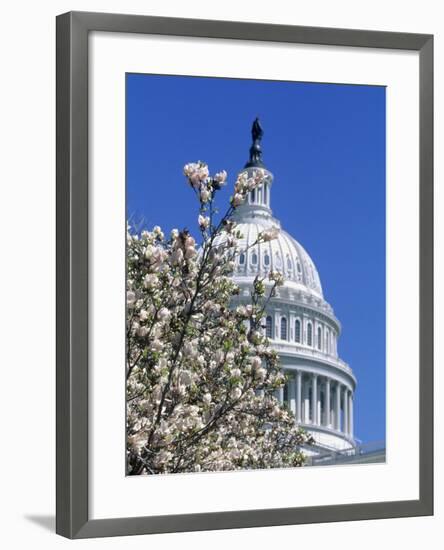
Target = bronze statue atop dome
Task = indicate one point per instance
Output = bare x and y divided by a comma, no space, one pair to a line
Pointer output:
256,130
255,150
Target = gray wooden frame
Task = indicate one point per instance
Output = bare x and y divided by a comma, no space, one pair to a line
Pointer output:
72,273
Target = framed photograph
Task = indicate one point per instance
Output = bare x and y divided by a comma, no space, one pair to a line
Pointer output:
244,275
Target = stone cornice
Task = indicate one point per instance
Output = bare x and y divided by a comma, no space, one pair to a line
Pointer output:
315,359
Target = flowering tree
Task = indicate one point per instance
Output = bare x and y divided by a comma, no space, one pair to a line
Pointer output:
201,377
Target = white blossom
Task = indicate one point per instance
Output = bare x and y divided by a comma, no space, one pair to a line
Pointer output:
269,234
205,195
237,199
236,393
190,252
149,251
177,256
130,298
256,362
204,221
156,345
276,276
164,314
150,280
158,232
220,177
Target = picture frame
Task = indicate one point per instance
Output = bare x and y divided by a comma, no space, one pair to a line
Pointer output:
73,339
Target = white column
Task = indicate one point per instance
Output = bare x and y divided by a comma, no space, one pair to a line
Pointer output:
281,394
298,396
314,399
338,407
350,414
292,393
259,195
277,324
306,401
346,427
327,403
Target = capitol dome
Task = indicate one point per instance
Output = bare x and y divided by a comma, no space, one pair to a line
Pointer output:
283,254
299,322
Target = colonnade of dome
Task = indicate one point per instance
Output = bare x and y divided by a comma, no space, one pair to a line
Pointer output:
319,400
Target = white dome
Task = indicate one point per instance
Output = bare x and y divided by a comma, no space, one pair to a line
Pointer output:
283,254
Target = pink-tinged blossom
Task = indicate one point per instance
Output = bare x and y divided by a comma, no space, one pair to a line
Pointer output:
189,241
150,280
158,232
276,277
220,177
205,195
237,200
142,332
177,256
157,345
256,362
143,315
269,234
204,221
236,393
190,252
196,172
130,298
164,314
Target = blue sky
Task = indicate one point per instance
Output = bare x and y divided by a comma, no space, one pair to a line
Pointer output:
325,144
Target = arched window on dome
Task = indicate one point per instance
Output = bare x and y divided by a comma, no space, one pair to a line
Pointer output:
242,258
254,258
284,328
269,327
309,334
253,196
298,265
319,338
327,340
277,259
297,331
266,259
289,264
312,274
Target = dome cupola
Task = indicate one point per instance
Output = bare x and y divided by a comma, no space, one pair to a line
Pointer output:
283,254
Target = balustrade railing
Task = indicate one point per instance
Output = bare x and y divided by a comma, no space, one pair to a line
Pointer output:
338,456
289,347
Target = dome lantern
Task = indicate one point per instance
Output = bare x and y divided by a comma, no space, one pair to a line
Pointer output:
258,199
